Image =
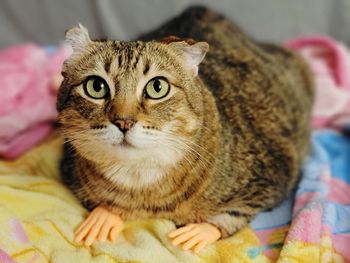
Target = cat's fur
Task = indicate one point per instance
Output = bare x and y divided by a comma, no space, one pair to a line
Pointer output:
240,128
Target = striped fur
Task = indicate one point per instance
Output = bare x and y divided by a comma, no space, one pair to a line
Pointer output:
221,147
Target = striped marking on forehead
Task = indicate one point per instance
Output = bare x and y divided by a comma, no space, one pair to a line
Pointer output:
107,64
117,63
128,53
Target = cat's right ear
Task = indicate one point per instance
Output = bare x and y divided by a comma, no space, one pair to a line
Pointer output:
77,38
191,52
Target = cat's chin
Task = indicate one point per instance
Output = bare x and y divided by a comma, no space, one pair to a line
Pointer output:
159,156
123,144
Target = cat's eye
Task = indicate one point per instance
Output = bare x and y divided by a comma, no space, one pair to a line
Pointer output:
157,88
96,87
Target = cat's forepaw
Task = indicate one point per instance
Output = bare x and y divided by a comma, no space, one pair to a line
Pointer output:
100,225
195,236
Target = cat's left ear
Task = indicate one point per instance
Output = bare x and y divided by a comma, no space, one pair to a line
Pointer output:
78,38
192,53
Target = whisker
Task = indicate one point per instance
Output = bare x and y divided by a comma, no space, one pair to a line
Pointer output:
184,142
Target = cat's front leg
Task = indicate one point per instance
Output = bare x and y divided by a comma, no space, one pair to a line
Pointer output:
230,222
195,236
101,224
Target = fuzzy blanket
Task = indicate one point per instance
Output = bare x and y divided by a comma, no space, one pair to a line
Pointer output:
38,214
25,120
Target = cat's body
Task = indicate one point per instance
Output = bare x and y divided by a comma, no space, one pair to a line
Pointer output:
242,154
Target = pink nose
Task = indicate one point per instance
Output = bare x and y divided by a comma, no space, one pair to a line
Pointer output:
124,124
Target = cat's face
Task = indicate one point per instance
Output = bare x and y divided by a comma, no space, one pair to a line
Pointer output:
131,101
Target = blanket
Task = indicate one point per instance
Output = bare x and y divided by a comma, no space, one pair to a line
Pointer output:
26,120
38,214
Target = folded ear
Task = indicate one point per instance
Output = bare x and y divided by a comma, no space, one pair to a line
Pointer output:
78,38
192,53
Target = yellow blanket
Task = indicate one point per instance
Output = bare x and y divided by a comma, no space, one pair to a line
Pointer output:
38,215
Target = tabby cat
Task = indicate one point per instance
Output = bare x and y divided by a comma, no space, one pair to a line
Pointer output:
154,130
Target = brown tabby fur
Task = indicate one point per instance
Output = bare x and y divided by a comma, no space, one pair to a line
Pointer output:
245,120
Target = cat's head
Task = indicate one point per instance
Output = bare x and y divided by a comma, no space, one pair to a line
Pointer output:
131,101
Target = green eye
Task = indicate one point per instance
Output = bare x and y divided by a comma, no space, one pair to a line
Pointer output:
157,88
96,87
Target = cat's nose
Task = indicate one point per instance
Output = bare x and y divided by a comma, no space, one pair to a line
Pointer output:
123,124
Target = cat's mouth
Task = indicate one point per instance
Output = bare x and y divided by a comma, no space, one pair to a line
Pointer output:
124,143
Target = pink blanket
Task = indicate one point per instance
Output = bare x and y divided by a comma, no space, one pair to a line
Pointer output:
27,100
330,63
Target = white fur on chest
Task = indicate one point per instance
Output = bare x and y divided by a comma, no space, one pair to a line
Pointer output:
134,175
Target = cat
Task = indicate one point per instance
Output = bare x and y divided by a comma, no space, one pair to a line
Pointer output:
163,127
